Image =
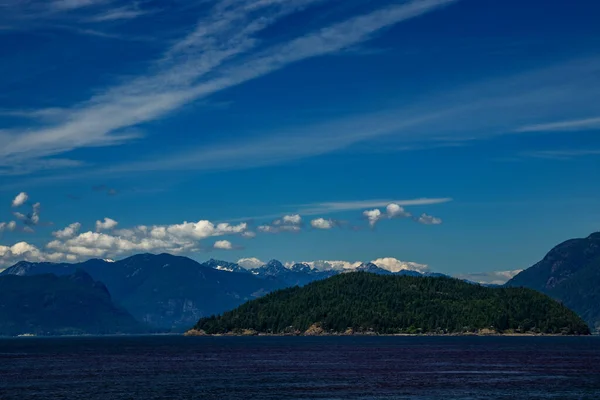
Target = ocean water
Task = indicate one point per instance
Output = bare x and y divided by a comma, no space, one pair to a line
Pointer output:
175,367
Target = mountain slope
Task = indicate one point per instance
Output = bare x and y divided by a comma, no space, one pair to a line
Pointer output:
570,272
49,305
397,304
164,291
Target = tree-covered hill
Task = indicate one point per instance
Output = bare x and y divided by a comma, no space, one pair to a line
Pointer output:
364,302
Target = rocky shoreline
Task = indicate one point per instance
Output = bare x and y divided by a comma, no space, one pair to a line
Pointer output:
316,330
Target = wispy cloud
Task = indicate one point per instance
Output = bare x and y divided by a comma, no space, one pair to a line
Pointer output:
333,207
217,41
561,154
572,125
120,13
75,4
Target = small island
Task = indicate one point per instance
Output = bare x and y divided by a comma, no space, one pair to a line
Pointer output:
369,304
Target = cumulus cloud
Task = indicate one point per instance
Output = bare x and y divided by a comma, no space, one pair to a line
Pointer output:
428,220
292,219
250,263
373,216
10,255
106,225
321,223
8,226
394,210
394,265
177,239
67,232
492,277
20,199
288,223
223,245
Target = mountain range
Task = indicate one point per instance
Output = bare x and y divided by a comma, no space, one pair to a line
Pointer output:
570,273
171,292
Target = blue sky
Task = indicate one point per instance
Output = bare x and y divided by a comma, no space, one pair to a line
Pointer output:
482,115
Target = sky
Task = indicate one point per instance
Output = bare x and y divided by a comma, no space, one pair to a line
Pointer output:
461,135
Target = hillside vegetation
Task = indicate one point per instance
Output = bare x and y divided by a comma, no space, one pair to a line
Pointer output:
364,302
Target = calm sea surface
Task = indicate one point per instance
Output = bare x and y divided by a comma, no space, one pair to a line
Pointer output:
174,367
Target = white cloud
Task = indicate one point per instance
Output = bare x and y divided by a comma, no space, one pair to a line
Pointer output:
217,49
250,263
428,220
223,245
561,154
492,277
292,219
373,216
201,229
394,210
249,234
8,226
321,223
20,199
106,225
120,13
177,238
68,232
571,125
65,5
395,265
10,255
288,223
334,207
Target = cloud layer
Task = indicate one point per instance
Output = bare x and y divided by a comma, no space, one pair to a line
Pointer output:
110,241
215,56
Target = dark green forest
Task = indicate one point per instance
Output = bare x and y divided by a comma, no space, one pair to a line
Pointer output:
367,302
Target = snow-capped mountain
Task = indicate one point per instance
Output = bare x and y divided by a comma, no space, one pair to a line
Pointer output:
225,266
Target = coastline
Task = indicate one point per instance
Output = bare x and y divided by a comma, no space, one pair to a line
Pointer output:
246,333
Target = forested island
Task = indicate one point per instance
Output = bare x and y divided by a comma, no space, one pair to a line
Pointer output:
365,303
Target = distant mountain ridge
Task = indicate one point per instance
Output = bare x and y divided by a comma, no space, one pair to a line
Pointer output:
48,304
172,292
570,273
163,291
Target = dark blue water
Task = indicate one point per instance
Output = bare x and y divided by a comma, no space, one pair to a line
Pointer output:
173,367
